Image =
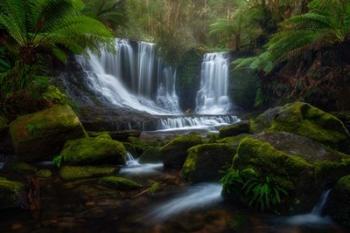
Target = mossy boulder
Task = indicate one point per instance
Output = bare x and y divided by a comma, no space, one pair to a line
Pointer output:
21,168
206,162
92,151
242,127
151,155
306,120
84,172
11,193
339,203
175,152
55,96
43,173
41,135
234,140
120,183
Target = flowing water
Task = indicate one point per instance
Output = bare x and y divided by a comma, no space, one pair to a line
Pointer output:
198,196
315,217
134,167
212,98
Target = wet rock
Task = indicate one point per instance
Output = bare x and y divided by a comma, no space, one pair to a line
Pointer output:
120,183
76,172
339,203
242,127
206,162
91,151
305,120
175,152
151,155
234,140
41,135
11,193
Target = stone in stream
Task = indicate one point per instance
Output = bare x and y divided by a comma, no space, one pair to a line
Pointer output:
11,193
120,183
206,162
175,152
242,127
41,135
92,151
84,172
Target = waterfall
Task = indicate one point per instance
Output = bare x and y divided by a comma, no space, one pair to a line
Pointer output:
134,167
212,98
132,77
315,217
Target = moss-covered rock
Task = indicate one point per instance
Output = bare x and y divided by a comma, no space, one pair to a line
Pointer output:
11,193
78,172
242,127
41,135
234,140
306,120
55,96
44,173
206,162
151,155
120,183
91,151
339,203
175,152
21,168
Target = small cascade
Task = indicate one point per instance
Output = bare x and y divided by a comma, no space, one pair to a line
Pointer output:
196,122
212,98
134,167
195,197
315,217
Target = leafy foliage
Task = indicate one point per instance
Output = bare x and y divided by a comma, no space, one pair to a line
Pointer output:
326,24
34,28
261,192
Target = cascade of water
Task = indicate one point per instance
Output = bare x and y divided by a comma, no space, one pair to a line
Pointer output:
134,167
196,122
194,197
212,98
315,216
130,77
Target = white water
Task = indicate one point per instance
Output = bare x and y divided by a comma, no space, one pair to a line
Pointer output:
109,73
212,98
134,167
199,196
196,122
315,217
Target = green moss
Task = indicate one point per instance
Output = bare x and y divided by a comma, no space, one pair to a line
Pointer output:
235,140
119,183
175,151
344,183
75,172
306,120
151,155
205,162
235,129
331,171
42,134
266,159
54,95
11,193
96,150
44,173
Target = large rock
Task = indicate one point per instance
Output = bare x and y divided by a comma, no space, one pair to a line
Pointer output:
175,152
206,162
306,120
11,193
41,135
339,203
298,165
92,151
242,127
